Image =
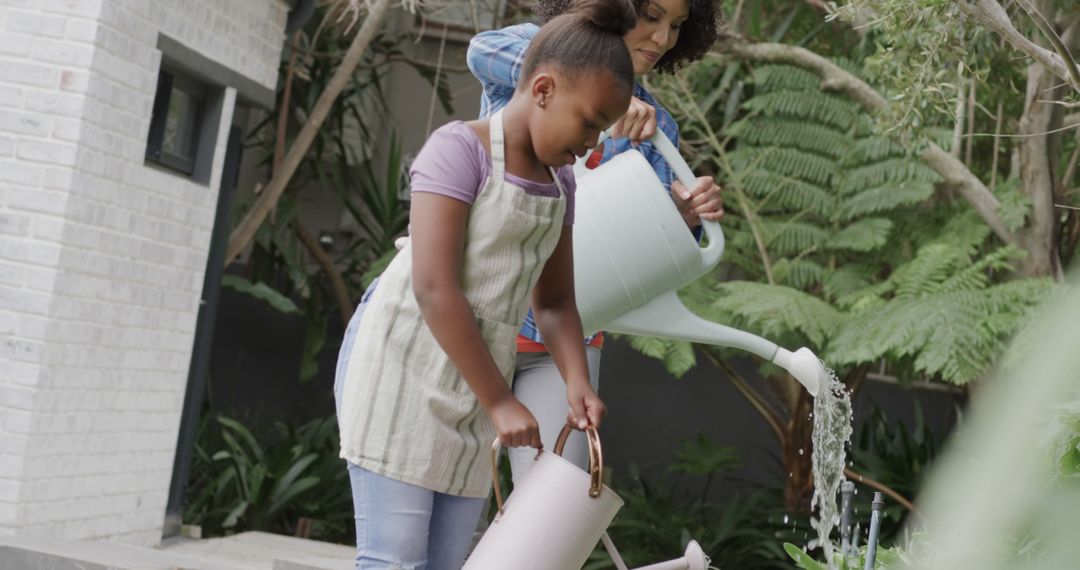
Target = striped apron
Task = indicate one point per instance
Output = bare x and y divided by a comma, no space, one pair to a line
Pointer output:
406,412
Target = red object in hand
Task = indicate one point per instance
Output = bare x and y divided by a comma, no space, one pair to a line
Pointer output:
595,158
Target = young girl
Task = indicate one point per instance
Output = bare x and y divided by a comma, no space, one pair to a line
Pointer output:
667,35
425,372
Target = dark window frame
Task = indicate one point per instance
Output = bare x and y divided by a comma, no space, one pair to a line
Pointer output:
169,79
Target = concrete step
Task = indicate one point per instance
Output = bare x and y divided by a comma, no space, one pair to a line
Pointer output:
42,553
265,551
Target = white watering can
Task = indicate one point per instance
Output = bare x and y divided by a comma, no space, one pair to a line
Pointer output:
555,517
632,252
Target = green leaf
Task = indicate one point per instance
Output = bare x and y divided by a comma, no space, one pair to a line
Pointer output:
864,235
261,291
803,559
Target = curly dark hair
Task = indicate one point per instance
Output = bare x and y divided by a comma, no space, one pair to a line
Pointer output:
696,35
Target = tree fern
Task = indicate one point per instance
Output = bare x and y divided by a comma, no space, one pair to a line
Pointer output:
843,244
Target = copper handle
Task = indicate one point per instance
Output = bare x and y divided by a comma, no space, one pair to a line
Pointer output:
596,462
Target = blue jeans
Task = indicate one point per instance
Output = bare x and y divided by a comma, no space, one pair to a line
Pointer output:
404,527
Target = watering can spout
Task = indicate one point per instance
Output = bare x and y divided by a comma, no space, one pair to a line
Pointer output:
804,366
665,316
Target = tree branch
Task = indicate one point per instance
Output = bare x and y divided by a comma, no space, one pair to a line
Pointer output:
245,230
992,15
856,476
834,78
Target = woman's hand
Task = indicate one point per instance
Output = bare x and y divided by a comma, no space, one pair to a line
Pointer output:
515,424
586,408
702,202
638,124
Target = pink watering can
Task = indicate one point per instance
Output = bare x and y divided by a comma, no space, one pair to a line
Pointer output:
632,252
555,517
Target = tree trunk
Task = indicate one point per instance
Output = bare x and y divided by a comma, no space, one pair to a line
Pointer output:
245,230
797,452
1040,147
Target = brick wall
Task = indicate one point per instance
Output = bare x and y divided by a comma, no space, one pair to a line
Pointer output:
101,257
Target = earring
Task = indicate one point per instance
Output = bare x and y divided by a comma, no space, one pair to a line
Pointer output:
542,102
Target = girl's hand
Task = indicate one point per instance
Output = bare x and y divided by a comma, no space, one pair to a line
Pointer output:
515,424
702,202
638,124
586,408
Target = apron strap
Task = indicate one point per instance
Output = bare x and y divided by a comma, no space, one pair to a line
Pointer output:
498,153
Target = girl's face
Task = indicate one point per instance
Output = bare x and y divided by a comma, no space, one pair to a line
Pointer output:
656,32
569,115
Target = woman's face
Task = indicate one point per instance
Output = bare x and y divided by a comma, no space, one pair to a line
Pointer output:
656,32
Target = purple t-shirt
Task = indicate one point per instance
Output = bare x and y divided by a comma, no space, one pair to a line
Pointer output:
455,163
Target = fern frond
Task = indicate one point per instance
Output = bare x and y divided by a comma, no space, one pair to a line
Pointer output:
808,105
786,162
866,234
873,149
887,171
785,132
792,238
784,78
676,355
932,265
884,198
776,310
798,273
977,276
789,193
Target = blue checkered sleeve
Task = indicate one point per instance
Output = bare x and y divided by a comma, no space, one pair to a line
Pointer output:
495,57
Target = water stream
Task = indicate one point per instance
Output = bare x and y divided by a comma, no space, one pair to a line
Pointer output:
832,431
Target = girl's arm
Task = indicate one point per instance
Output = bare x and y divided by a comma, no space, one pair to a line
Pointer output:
495,57
555,310
438,242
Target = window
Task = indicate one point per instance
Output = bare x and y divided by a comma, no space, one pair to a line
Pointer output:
177,121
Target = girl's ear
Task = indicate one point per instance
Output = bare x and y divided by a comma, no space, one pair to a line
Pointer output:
542,88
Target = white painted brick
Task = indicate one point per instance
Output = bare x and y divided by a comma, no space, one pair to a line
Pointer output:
7,146
10,96
58,178
14,224
34,23
38,200
53,103
63,52
9,491
32,327
74,81
15,44
13,274
66,129
23,374
48,229
84,8
11,465
52,153
81,30
28,73
7,324
24,300
15,421
24,123
17,397
19,173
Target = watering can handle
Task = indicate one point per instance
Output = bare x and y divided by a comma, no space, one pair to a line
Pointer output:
596,462
711,254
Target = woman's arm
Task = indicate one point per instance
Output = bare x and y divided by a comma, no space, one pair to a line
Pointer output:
555,310
495,57
438,243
